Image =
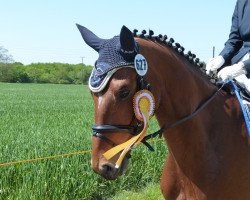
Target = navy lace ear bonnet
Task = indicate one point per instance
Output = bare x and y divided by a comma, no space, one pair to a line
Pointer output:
114,54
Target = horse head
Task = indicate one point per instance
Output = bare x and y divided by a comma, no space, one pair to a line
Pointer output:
113,83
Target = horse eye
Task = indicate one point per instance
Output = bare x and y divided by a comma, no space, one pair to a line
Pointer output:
123,93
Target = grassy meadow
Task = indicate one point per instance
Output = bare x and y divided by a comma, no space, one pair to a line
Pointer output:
39,120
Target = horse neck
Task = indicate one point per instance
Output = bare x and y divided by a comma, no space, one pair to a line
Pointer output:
178,87
198,146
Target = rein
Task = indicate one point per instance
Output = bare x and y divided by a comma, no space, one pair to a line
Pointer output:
184,119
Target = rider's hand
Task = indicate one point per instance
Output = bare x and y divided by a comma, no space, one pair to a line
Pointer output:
230,72
214,64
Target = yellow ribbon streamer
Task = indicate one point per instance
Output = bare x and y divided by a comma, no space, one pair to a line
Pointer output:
128,145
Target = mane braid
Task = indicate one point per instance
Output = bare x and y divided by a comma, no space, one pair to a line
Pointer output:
189,56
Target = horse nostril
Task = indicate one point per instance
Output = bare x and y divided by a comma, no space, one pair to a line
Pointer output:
108,169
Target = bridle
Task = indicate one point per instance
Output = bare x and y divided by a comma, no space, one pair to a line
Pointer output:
134,130
98,130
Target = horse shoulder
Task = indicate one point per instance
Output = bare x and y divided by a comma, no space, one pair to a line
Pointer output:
175,185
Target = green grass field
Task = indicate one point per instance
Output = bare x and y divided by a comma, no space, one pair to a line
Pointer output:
39,120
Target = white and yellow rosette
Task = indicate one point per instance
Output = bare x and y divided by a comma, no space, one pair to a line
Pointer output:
144,105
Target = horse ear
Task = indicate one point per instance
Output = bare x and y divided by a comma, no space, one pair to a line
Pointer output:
127,42
90,38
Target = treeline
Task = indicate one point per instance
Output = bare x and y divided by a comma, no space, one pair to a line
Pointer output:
45,73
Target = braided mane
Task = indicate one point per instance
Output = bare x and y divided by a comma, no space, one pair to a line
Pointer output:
190,57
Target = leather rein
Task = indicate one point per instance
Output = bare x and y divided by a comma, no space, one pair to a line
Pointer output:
98,130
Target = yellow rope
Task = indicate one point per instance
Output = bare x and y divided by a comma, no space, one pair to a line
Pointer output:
55,156
44,158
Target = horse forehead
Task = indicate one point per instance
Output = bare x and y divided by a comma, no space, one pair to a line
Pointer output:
117,83
123,78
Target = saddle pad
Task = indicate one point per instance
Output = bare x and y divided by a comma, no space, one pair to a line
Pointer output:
244,104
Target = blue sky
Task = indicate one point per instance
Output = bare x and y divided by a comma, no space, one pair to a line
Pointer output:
45,31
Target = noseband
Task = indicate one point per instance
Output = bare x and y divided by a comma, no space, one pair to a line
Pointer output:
98,130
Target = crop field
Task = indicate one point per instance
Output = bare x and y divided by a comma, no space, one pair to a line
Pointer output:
40,120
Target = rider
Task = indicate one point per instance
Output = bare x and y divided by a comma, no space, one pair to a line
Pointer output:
236,53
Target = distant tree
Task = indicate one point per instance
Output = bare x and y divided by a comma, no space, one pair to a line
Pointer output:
7,71
4,56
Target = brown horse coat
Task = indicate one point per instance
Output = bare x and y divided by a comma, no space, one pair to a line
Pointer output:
209,155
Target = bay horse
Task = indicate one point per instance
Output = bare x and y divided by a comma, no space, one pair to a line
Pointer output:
209,155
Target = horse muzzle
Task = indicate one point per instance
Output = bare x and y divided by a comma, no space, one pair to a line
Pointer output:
107,169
